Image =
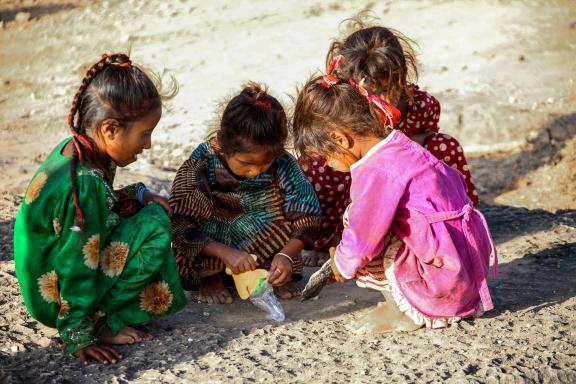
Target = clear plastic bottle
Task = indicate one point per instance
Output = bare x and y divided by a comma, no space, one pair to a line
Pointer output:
264,298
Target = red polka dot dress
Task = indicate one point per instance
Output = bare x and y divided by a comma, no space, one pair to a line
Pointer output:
422,115
333,187
333,190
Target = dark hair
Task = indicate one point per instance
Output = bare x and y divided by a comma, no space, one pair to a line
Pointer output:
252,119
111,88
321,109
376,54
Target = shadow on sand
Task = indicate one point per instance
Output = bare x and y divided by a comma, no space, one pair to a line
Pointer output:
35,12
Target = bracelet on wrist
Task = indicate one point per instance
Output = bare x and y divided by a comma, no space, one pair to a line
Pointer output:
141,192
287,256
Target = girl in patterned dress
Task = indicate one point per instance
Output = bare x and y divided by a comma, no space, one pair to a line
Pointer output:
241,194
383,59
410,231
91,261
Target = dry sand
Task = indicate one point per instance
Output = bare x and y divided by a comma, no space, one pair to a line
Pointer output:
504,72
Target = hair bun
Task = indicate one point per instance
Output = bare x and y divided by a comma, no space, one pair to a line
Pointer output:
120,59
255,91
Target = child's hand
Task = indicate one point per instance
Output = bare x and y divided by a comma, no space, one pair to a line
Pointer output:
149,196
337,276
238,261
280,270
102,353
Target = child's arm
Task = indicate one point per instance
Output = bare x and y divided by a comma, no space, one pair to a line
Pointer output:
301,206
422,114
281,267
237,260
135,196
192,205
375,198
335,271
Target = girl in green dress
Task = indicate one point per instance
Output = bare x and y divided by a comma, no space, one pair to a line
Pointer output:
91,261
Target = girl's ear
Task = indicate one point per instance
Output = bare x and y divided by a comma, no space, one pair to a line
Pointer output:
109,129
342,139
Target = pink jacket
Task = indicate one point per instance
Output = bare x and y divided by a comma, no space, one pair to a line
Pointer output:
441,269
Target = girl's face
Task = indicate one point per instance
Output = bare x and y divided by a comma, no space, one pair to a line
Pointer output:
123,145
250,164
341,162
346,156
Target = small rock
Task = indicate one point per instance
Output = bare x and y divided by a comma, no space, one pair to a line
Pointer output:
14,348
22,17
206,314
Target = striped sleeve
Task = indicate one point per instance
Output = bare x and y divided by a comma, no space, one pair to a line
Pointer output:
192,205
300,203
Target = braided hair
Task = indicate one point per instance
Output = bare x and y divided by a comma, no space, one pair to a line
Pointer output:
112,88
252,119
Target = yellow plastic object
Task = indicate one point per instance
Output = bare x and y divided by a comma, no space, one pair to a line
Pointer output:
246,282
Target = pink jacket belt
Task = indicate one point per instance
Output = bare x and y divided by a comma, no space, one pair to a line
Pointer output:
473,249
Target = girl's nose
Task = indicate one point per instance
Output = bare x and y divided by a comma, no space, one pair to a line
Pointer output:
148,144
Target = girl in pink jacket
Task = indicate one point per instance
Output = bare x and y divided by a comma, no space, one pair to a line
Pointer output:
411,230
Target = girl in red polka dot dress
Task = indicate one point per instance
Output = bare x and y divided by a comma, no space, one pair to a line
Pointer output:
383,61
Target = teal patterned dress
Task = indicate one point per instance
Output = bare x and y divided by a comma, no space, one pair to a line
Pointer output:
119,271
258,215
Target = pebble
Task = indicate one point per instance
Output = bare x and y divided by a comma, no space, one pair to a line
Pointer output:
22,17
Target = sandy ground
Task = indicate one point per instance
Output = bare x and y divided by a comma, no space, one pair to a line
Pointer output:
504,72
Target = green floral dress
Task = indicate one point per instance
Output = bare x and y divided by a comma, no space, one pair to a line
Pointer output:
120,270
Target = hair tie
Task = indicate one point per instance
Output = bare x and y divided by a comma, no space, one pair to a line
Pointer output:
127,63
389,113
329,80
334,63
263,103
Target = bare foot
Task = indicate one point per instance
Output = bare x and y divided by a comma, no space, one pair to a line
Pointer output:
386,317
314,258
126,335
287,292
213,291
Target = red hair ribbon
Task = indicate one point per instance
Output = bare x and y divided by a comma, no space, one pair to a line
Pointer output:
334,63
389,113
328,79
263,103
